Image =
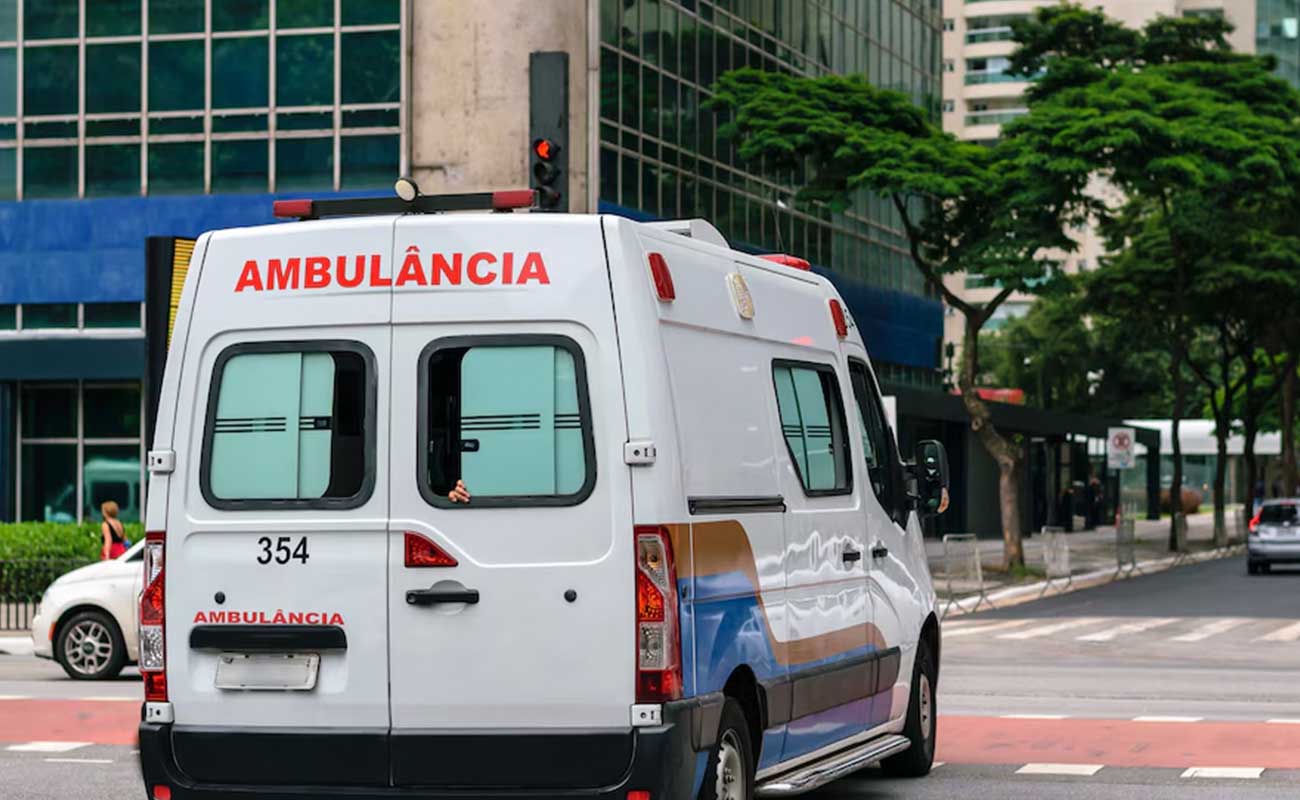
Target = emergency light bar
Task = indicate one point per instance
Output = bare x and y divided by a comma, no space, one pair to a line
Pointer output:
507,200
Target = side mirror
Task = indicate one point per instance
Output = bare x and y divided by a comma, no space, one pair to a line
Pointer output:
931,478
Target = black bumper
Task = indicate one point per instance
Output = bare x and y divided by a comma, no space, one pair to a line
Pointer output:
660,759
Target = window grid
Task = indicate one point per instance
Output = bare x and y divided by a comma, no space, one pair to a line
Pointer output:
22,144
21,328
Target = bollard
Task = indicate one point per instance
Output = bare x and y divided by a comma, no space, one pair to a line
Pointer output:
1126,548
1056,559
961,555
1181,553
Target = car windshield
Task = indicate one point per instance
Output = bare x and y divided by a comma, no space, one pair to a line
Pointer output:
1282,514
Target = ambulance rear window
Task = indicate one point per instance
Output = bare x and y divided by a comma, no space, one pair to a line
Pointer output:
509,416
290,425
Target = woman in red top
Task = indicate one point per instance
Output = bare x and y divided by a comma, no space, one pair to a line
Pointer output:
113,532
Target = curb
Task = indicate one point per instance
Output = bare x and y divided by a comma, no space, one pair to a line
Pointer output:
1016,595
15,646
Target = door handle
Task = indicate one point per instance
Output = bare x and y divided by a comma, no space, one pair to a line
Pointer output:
851,556
878,550
430,597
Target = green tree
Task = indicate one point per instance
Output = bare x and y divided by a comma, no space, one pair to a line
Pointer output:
963,207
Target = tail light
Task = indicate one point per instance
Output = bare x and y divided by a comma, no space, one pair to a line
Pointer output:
1254,521
153,619
658,637
663,279
838,320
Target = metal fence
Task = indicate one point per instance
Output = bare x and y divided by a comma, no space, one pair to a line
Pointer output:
22,582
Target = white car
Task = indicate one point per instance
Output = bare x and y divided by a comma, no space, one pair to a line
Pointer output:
87,618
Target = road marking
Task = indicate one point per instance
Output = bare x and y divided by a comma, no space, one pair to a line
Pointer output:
47,747
985,628
1085,770
78,761
1248,773
107,699
1128,628
1287,633
1283,721
1168,719
1048,630
937,764
1211,628
14,697
1034,716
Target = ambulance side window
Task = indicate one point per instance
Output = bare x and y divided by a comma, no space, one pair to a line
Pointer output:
290,425
875,433
509,416
812,424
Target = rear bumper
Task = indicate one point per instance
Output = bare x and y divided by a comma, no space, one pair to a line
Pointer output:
663,761
1273,552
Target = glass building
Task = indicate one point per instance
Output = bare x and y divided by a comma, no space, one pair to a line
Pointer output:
660,156
1277,33
123,119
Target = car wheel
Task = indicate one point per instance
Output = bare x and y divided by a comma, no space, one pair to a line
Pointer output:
730,773
90,647
919,728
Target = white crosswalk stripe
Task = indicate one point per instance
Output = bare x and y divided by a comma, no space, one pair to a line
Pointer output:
1287,633
1085,770
1126,629
1213,627
988,628
47,747
1048,630
1248,773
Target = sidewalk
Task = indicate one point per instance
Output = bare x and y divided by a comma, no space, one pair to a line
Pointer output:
1090,551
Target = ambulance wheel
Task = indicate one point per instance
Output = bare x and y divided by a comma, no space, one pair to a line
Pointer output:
90,647
730,773
919,728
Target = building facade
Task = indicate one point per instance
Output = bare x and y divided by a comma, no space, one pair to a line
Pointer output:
979,95
122,119
1277,33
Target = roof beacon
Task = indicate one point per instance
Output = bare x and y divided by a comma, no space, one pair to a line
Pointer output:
788,261
407,200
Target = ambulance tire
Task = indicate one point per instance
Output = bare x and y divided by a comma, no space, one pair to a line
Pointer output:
89,647
919,728
730,771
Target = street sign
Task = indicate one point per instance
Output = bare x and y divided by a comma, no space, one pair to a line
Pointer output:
1119,448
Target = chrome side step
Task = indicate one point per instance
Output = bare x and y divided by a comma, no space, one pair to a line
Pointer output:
805,779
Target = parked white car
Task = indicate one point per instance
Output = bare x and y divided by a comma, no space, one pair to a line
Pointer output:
87,618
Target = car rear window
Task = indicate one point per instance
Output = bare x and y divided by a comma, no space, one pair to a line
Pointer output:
510,417
290,425
1278,514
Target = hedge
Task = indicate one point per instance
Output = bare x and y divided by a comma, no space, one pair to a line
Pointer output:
33,554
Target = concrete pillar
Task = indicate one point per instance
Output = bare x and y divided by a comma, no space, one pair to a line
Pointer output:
469,92
7,461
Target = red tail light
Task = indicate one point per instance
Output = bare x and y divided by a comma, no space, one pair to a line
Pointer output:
662,277
420,552
658,636
153,619
162,792
1254,521
837,317
788,261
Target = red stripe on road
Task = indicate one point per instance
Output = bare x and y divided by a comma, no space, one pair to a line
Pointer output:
93,721
1117,743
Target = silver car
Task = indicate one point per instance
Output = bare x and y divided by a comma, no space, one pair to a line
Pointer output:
1274,536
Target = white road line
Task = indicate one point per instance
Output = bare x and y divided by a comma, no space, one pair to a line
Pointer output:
107,699
937,764
1168,719
1127,629
1048,630
78,761
1248,773
1034,716
1211,628
1085,770
1286,633
985,628
14,697
47,747
1283,721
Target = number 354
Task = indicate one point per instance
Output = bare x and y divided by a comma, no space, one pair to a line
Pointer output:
282,552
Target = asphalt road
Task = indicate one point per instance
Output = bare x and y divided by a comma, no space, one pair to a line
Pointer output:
1137,687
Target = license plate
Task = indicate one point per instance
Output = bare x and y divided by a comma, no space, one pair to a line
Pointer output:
285,672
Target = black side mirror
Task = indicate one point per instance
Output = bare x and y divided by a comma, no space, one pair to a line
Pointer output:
931,478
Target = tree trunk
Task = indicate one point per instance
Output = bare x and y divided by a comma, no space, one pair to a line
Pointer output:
1005,452
1288,422
1251,403
1176,484
1221,429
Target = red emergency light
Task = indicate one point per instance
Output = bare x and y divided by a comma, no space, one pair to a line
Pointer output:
788,261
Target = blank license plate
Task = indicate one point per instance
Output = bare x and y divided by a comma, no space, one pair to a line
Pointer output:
285,672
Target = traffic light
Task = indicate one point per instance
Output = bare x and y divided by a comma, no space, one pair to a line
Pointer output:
548,128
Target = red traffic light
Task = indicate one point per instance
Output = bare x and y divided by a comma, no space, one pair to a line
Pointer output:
545,149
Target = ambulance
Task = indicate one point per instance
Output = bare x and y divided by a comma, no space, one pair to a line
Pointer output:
452,500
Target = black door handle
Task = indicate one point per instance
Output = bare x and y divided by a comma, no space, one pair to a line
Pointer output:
429,597
850,555
878,550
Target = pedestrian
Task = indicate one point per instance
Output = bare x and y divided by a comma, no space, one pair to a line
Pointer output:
113,532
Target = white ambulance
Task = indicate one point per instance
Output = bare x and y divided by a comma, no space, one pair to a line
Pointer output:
525,505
